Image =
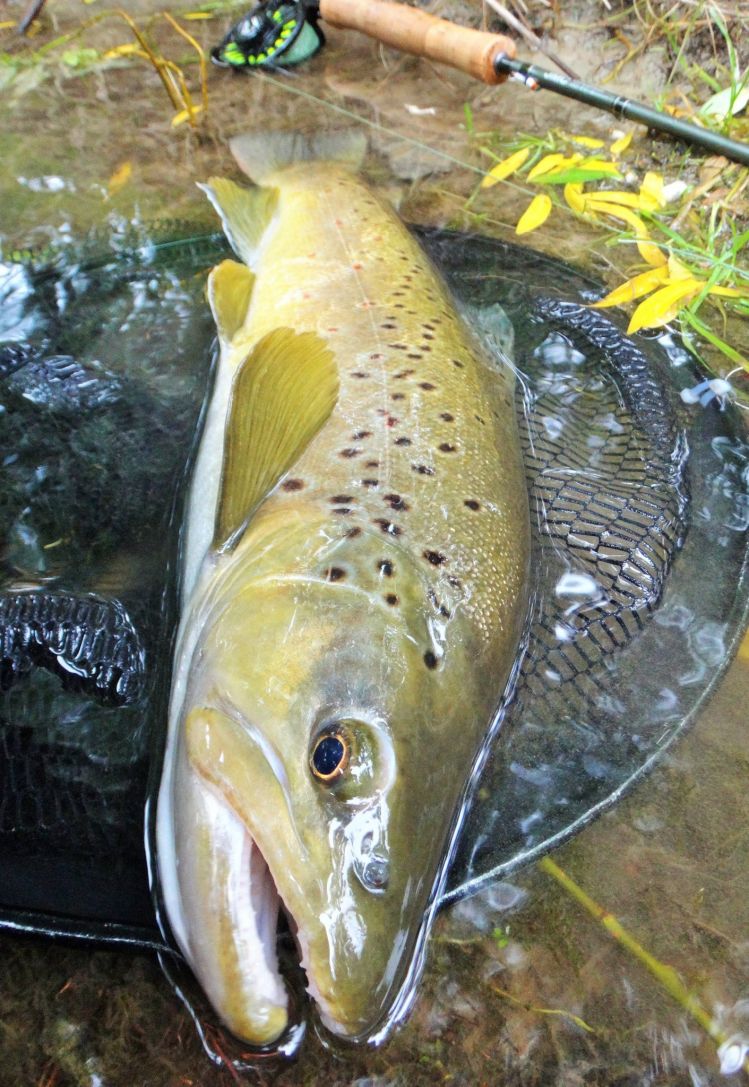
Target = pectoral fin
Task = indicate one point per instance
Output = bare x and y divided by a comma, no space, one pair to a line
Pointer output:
282,396
229,291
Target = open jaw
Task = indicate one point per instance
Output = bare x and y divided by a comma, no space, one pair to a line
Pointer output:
234,953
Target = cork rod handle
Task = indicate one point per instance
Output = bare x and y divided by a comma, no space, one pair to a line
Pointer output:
414,31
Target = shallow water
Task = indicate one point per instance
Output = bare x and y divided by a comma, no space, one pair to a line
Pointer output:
522,985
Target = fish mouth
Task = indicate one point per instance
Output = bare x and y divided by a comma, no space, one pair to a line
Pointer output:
234,873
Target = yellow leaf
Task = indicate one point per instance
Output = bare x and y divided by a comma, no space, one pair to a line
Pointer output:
605,167
504,168
676,270
651,253
573,194
535,214
634,288
126,50
548,162
119,178
620,145
585,141
185,115
626,214
193,15
648,250
615,196
7,24
662,307
730,292
651,191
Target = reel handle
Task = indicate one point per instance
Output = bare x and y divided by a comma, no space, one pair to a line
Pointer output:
414,31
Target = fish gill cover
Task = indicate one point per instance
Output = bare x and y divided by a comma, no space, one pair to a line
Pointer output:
637,601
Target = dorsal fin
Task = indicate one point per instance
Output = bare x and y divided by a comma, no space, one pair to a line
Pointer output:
283,394
229,291
245,213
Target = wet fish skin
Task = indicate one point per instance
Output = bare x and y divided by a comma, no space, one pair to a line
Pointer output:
376,592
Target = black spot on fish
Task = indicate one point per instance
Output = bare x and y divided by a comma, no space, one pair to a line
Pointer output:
372,464
370,482
403,441
423,469
388,324
391,599
398,396
395,502
480,420
427,385
445,447
385,567
454,582
359,373
428,335
414,355
387,526
429,659
341,499
292,485
403,373
435,557
399,346
335,573
349,453
472,504
458,363
361,435
345,510
447,417
353,532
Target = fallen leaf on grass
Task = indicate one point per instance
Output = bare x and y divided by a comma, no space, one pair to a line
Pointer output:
535,214
506,167
119,178
662,306
634,288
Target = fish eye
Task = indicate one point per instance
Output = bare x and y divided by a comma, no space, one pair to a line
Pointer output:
330,756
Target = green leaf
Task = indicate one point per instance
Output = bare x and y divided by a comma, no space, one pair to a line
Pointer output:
80,58
468,114
576,173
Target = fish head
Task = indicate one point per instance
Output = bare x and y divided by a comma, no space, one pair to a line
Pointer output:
325,730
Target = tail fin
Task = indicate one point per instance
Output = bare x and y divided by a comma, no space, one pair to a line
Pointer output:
260,155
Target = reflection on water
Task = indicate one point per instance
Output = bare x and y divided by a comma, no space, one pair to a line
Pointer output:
521,987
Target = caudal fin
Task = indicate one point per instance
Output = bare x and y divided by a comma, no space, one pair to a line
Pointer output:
260,155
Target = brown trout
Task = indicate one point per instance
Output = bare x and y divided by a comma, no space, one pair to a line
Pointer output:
353,600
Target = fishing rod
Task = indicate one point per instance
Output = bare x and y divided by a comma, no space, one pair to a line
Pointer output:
279,34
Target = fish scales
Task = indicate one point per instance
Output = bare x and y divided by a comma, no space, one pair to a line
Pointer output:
412,447
353,596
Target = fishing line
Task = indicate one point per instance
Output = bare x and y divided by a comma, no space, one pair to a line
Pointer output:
388,131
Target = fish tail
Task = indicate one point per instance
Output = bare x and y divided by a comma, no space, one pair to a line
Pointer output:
260,154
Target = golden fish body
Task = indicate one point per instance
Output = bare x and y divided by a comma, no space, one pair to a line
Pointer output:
354,593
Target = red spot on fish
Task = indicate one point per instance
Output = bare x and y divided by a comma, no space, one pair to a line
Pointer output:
357,267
